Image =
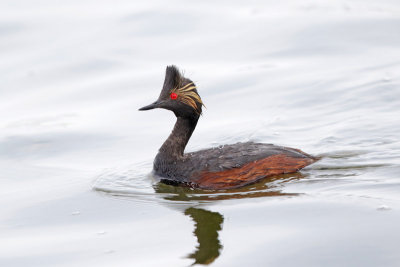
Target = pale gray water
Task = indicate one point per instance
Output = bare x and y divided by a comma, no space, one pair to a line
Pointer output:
75,154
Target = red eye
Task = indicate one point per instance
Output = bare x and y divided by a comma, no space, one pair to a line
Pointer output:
173,96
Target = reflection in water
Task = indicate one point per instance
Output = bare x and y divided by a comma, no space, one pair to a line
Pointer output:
207,225
270,186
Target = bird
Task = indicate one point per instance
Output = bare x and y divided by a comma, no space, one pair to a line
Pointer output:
218,168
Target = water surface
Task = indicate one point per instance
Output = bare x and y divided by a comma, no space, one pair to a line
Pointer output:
76,155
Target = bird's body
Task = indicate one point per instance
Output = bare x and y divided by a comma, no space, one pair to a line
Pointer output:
223,167
230,166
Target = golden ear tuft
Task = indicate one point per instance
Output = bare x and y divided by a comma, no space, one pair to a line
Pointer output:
189,96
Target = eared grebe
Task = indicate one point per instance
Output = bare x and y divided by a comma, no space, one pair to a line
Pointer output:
224,167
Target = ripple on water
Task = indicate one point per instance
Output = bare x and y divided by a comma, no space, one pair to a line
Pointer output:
136,182
338,168
132,181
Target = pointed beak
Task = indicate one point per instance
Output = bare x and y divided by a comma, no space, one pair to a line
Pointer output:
151,106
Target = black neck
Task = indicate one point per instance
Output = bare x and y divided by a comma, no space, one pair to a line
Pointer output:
178,139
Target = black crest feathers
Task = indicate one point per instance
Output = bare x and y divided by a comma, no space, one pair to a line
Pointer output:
184,88
173,78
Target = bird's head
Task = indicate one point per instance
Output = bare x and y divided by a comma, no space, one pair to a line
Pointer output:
178,94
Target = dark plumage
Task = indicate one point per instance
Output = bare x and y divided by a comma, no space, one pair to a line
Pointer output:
224,167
